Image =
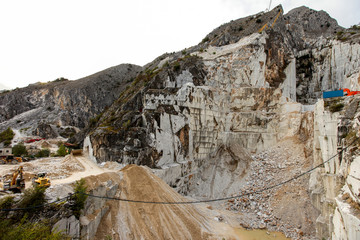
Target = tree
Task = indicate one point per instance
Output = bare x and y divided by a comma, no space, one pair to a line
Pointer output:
62,150
43,153
32,197
6,136
78,200
19,150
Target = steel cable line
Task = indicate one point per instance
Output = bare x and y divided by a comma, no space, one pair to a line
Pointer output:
232,197
197,201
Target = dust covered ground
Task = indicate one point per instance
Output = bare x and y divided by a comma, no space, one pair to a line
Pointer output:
126,220
134,220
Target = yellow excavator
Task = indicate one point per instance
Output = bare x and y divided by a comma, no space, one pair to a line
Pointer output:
17,183
266,26
41,180
10,159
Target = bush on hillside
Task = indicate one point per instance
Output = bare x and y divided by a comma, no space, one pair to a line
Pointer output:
6,136
24,229
77,200
6,203
336,107
61,151
33,197
43,153
19,150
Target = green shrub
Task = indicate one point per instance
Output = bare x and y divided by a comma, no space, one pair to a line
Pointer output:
339,35
126,124
336,107
350,135
166,64
43,153
6,203
61,151
77,200
93,121
176,67
32,197
19,150
205,40
6,136
25,229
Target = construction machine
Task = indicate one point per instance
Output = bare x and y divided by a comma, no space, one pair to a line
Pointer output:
266,26
10,159
41,180
17,183
77,152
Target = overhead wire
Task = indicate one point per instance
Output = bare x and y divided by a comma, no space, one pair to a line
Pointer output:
230,197
195,201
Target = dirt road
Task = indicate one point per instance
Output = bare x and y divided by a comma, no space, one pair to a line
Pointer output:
89,168
61,170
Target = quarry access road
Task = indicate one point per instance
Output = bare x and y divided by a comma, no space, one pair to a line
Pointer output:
89,168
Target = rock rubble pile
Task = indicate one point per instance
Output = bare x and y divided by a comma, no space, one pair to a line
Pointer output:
265,209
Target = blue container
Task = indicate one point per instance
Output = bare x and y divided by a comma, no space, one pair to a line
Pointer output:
330,94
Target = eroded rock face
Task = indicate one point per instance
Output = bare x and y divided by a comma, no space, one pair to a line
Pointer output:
307,22
45,109
330,65
195,117
201,93
335,186
199,105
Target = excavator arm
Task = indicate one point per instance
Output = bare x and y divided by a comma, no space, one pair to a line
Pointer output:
18,172
17,183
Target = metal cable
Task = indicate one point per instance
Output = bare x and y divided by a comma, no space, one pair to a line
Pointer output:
197,201
227,198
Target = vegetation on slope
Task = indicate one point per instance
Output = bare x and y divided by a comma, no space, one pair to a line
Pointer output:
34,222
6,136
27,224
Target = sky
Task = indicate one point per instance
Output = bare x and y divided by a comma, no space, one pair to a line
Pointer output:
42,40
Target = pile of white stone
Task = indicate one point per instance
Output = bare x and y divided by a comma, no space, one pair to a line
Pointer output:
268,168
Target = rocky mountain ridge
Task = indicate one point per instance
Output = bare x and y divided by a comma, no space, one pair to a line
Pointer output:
63,107
208,119
273,59
194,116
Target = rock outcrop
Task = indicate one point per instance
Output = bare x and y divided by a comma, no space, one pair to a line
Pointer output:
208,120
63,107
245,87
335,186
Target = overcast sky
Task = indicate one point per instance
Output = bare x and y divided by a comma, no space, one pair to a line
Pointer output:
42,40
